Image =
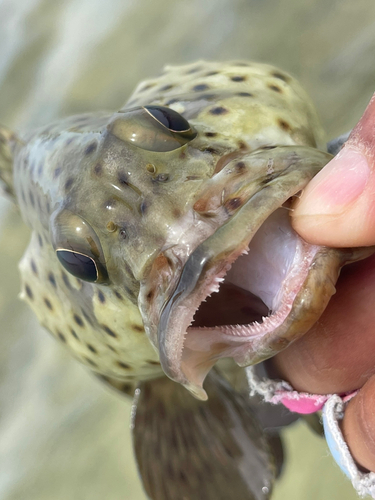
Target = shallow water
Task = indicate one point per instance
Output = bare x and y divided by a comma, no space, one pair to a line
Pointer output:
62,434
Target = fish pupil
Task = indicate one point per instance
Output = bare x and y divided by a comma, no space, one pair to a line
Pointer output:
169,118
79,265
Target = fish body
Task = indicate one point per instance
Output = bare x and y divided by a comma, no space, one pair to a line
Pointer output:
138,216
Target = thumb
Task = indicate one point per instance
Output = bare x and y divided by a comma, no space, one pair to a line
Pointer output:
337,208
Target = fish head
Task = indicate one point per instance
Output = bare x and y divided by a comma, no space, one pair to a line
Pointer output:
181,204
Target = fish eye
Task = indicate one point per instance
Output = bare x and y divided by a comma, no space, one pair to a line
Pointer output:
153,128
77,247
79,265
169,118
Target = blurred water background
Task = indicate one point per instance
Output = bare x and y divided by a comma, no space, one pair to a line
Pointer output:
63,435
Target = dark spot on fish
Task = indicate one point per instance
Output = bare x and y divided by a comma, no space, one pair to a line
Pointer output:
31,196
66,280
152,362
98,169
280,76
127,389
123,234
275,88
74,333
57,172
268,147
233,204
242,145
238,78
212,150
33,267
92,348
218,110
39,204
51,279
78,320
245,94
91,148
82,119
162,178
200,87
176,213
48,303
109,331
193,70
192,177
111,348
166,87
69,141
91,362
182,155
240,166
29,292
118,295
147,87
125,366
284,125
212,73
207,97
144,207
61,336
101,296
210,134
40,241
172,101
183,477
150,295
87,317
138,328
68,184
123,178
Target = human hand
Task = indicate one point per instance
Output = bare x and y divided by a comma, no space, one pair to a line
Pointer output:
337,355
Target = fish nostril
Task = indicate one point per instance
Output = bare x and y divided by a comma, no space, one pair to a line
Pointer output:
123,233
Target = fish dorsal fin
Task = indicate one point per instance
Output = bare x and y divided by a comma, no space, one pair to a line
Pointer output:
7,140
200,450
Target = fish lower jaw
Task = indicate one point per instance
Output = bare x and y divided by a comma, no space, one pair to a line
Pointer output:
245,343
241,309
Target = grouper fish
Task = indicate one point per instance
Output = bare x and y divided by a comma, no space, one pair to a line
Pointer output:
162,245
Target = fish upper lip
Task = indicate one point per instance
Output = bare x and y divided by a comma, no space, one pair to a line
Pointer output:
225,245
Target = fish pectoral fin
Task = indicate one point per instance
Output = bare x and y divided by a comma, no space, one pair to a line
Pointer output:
7,140
200,450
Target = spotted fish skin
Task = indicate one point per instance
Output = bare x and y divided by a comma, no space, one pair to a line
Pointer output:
133,201
77,164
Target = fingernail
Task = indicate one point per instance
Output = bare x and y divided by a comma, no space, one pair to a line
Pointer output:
336,186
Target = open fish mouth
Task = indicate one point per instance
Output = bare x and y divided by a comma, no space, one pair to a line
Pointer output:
253,286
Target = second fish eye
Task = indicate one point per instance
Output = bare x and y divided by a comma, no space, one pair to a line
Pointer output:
169,118
153,128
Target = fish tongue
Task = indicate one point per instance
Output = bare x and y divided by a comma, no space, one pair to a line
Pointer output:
200,450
